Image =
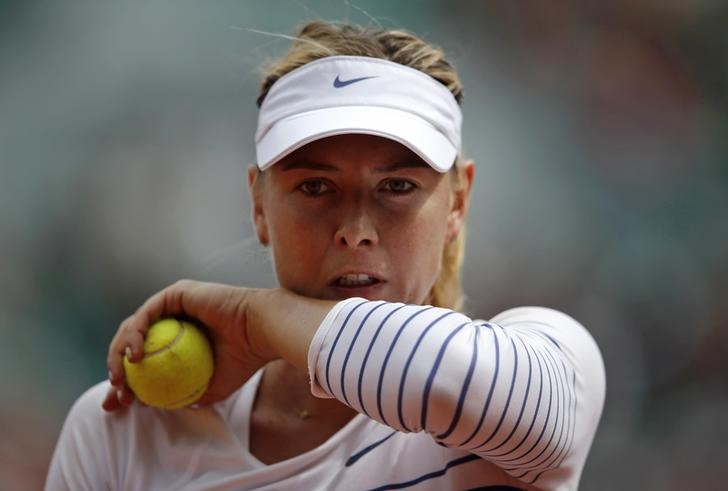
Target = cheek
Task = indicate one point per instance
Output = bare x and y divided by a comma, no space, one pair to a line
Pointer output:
418,250
295,242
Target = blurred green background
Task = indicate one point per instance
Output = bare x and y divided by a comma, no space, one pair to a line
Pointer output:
600,131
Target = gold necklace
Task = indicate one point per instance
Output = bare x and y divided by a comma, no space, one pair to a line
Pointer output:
303,413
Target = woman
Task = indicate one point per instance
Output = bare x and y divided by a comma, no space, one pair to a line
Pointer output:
354,374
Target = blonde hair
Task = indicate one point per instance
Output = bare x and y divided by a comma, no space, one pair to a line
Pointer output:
320,39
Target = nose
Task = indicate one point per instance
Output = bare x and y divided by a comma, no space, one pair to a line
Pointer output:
356,229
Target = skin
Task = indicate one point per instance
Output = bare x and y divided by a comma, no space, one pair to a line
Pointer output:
355,204
348,204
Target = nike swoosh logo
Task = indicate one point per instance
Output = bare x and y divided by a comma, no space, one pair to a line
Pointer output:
338,83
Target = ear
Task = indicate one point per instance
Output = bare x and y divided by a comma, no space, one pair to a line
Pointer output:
461,199
256,196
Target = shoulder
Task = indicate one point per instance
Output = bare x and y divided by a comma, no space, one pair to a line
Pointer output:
131,447
90,401
89,424
86,414
78,459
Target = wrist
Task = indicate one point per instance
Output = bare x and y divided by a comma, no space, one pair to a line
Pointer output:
257,324
281,324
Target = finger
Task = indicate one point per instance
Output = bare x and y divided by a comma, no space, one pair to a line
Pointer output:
115,365
125,396
111,401
116,353
127,342
134,346
129,339
208,398
167,302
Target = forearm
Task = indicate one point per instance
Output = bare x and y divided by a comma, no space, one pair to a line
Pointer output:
248,328
283,323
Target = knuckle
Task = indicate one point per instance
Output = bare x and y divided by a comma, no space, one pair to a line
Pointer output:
123,327
182,284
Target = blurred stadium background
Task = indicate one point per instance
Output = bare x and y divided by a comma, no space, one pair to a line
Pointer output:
600,131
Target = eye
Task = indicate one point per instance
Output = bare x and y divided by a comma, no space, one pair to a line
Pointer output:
398,186
314,187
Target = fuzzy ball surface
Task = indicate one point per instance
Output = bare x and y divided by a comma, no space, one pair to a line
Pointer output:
177,366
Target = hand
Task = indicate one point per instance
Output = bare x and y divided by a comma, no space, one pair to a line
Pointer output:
223,310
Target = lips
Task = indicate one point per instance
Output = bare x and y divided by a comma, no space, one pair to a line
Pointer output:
356,280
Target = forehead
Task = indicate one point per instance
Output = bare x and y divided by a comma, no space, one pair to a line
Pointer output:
362,150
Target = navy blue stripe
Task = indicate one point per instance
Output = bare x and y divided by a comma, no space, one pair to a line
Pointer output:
492,387
547,337
433,372
535,414
508,400
559,418
407,364
380,384
463,390
567,449
546,422
336,340
556,420
541,333
523,406
553,340
366,357
543,464
566,413
563,452
431,475
351,347
361,453
558,457
571,412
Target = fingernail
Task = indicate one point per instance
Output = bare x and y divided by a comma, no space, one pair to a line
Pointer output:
128,352
111,377
119,394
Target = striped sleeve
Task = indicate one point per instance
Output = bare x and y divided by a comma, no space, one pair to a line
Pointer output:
524,391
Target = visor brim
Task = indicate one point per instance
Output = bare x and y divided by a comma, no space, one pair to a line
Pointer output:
289,134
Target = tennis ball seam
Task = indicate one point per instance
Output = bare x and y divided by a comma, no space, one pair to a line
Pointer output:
171,345
184,401
188,355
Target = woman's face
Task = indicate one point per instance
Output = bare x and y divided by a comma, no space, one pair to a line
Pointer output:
357,215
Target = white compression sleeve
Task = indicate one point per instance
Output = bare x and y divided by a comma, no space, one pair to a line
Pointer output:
524,391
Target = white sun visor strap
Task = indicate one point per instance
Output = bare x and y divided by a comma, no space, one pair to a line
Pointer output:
355,94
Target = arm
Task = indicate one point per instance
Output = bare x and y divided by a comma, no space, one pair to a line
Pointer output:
524,391
248,328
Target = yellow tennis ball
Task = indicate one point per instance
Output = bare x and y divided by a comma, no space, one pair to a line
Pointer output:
177,365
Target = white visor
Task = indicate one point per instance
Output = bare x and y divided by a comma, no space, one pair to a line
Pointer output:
357,94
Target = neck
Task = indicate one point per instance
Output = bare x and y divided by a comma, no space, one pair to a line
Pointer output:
285,389
287,420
